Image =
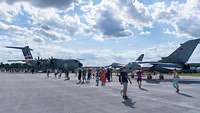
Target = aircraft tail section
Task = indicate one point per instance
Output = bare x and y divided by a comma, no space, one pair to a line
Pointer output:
25,50
140,58
183,53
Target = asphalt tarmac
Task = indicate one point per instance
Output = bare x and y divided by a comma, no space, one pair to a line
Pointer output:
27,93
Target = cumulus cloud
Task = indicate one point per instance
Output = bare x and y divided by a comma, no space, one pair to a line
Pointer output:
46,24
110,26
45,3
137,14
184,17
115,18
145,33
38,40
189,26
4,26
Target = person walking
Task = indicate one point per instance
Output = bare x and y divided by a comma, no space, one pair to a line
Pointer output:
139,78
32,71
84,76
56,73
124,79
93,73
108,74
111,76
67,75
79,76
89,74
60,74
97,77
176,80
48,72
102,75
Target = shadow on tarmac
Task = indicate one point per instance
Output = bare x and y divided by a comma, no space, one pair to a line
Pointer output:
189,82
186,95
129,103
153,81
182,81
143,89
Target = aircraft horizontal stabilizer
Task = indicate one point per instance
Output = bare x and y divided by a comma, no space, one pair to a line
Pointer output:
12,47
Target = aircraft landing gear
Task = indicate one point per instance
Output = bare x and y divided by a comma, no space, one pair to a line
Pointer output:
149,77
161,77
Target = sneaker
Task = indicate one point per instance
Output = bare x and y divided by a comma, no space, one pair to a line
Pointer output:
125,97
177,91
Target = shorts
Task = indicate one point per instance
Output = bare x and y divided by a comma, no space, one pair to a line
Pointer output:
139,79
125,86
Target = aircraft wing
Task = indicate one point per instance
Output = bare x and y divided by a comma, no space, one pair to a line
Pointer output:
16,60
193,64
148,62
156,63
19,60
172,68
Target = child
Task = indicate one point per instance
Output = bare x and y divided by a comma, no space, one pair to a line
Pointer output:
176,81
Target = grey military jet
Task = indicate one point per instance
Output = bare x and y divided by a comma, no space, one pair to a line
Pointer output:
176,60
130,66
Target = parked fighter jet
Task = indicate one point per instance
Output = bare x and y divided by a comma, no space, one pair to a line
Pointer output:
177,60
51,63
130,66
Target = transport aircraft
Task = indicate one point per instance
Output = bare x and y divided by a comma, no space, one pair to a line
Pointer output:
51,63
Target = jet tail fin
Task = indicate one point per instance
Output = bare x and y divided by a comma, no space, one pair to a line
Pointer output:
25,50
140,58
183,53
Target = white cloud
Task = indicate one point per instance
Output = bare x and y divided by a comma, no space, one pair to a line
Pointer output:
184,17
8,12
145,33
44,3
4,26
114,18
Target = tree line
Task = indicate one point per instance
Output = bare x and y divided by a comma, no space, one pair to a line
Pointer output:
15,67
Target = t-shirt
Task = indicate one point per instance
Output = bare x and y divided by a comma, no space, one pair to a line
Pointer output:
124,77
139,74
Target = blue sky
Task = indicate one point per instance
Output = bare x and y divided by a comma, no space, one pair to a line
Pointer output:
99,31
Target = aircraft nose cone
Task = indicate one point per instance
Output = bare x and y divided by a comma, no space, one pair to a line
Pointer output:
80,64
